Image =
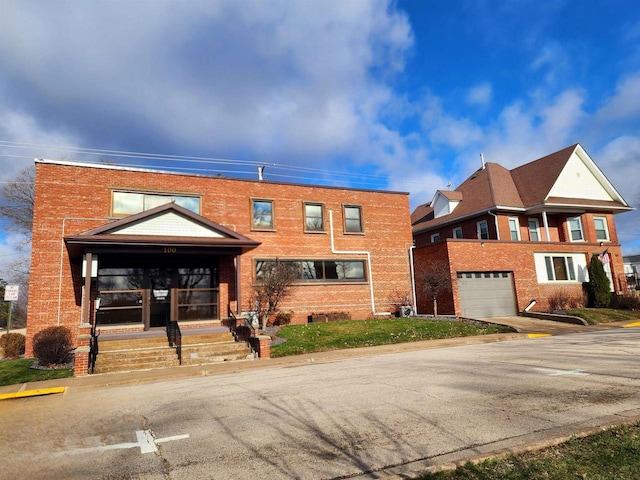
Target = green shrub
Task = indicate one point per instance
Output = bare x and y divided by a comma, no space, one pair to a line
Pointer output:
599,287
12,344
52,346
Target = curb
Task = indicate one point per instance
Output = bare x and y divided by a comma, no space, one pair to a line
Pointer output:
33,393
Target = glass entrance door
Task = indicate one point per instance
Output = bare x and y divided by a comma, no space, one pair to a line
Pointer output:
160,282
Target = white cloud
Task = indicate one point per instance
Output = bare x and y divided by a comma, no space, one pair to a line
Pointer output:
625,104
274,79
480,94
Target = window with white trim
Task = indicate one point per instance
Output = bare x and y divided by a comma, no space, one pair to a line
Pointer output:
534,230
559,268
483,230
575,229
602,232
514,228
457,232
435,237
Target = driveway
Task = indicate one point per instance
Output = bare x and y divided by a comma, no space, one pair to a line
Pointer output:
534,326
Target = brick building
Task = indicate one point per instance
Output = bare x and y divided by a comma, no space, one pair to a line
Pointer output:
156,247
511,236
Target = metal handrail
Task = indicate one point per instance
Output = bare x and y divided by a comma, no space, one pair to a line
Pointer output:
93,346
175,338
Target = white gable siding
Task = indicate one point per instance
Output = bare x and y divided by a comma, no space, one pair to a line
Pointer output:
171,225
577,181
443,206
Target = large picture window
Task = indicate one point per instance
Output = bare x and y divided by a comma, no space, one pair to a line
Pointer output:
129,203
321,270
262,214
561,267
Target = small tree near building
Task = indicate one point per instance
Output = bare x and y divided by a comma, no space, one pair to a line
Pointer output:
274,282
434,279
599,286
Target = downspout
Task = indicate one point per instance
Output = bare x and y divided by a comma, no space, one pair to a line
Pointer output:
356,252
413,280
495,217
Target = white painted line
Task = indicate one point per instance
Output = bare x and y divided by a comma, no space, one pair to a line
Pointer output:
146,442
552,372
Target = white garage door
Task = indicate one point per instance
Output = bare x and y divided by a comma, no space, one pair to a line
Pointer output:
486,294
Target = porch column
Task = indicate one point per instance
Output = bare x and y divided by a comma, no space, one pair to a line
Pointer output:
546,225
238,290
86,293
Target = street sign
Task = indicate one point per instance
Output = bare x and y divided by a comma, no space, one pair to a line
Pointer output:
11,293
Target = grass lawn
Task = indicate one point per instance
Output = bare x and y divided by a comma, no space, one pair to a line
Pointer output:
594,316
18,371
609,455
318,337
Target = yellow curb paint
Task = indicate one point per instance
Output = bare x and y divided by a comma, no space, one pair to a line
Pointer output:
634,324
538,335
33,393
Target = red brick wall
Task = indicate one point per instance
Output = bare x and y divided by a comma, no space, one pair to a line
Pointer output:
72,199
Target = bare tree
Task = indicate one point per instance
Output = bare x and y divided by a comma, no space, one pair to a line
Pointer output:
17,198
274,282
434,278
16,205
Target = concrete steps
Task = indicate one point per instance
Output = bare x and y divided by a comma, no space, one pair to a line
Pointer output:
120,353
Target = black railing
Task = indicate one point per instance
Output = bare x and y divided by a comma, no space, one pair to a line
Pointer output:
93,347
175,338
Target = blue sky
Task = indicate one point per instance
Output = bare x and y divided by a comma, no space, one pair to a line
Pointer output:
381,94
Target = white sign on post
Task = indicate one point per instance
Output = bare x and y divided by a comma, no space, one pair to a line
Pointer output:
11,293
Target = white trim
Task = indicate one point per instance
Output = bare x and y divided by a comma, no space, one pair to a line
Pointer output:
606,228
571,239
517,228
537,229
479,231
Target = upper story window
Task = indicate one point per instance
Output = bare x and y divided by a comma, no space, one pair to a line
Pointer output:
483,230
602,232
129,203
262,214
435,237
534,230
457,232
313,217
575,229
514,228
353,219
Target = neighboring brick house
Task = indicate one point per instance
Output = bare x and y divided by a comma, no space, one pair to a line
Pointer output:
156,246
512,236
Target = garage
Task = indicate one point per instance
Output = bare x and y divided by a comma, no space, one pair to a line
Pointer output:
486,294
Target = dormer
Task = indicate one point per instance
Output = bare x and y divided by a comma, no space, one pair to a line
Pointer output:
444,202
